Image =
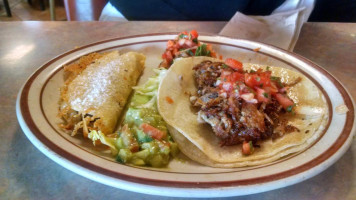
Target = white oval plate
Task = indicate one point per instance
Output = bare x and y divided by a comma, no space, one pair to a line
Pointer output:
37,106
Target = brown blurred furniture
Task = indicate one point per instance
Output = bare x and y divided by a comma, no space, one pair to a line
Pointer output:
7,8
43,7
84,10
41,2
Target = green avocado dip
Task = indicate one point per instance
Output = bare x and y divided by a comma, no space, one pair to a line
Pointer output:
143,139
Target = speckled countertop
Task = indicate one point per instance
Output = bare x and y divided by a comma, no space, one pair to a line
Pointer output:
26,173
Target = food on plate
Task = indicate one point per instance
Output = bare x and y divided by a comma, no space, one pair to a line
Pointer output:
144,138
95,94
241,106
230,114
185,45
219,113
96,90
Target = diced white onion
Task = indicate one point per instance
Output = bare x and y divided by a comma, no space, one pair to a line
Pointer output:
249,98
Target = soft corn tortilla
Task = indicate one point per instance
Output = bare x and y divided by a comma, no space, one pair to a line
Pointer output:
102,89
199,141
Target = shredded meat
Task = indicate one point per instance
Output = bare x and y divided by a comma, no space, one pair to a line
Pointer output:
252,117
233,119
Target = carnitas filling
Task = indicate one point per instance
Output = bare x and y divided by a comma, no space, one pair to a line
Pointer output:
241,106
77,122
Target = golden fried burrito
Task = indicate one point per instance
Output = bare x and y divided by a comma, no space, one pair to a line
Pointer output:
96,90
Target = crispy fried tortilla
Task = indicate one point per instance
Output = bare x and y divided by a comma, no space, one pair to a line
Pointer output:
96,90
197,139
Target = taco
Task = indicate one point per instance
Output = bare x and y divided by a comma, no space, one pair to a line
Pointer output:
251,109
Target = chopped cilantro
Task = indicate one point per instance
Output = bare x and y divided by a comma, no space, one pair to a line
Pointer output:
119,159
265,94
274,78
190,52
278,80
195,40
251,147
290,108
267,68
252,71
202,51
182,36
224,79
258,78
224,66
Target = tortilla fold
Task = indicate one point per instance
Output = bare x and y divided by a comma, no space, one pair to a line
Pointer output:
198,141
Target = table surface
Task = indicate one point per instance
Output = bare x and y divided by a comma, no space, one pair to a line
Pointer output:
26,173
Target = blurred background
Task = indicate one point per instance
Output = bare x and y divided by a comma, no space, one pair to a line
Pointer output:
31,10
89,10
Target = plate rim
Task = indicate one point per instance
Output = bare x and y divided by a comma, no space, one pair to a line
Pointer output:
32,129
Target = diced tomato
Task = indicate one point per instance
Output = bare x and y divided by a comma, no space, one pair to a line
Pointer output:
234,64
152,131
262,95
247,148
284,100
265,77
228,80
169,56
272,89
227,76
194,34
236,76
175,51
169,100
170,43
257,80
252,80
209,47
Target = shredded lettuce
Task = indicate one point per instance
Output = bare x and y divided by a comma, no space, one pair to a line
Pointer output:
150,88
110,142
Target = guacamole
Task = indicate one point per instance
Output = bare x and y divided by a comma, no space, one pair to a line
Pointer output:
143,138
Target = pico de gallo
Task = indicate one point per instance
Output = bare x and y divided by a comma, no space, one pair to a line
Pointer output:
241,106
185,45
